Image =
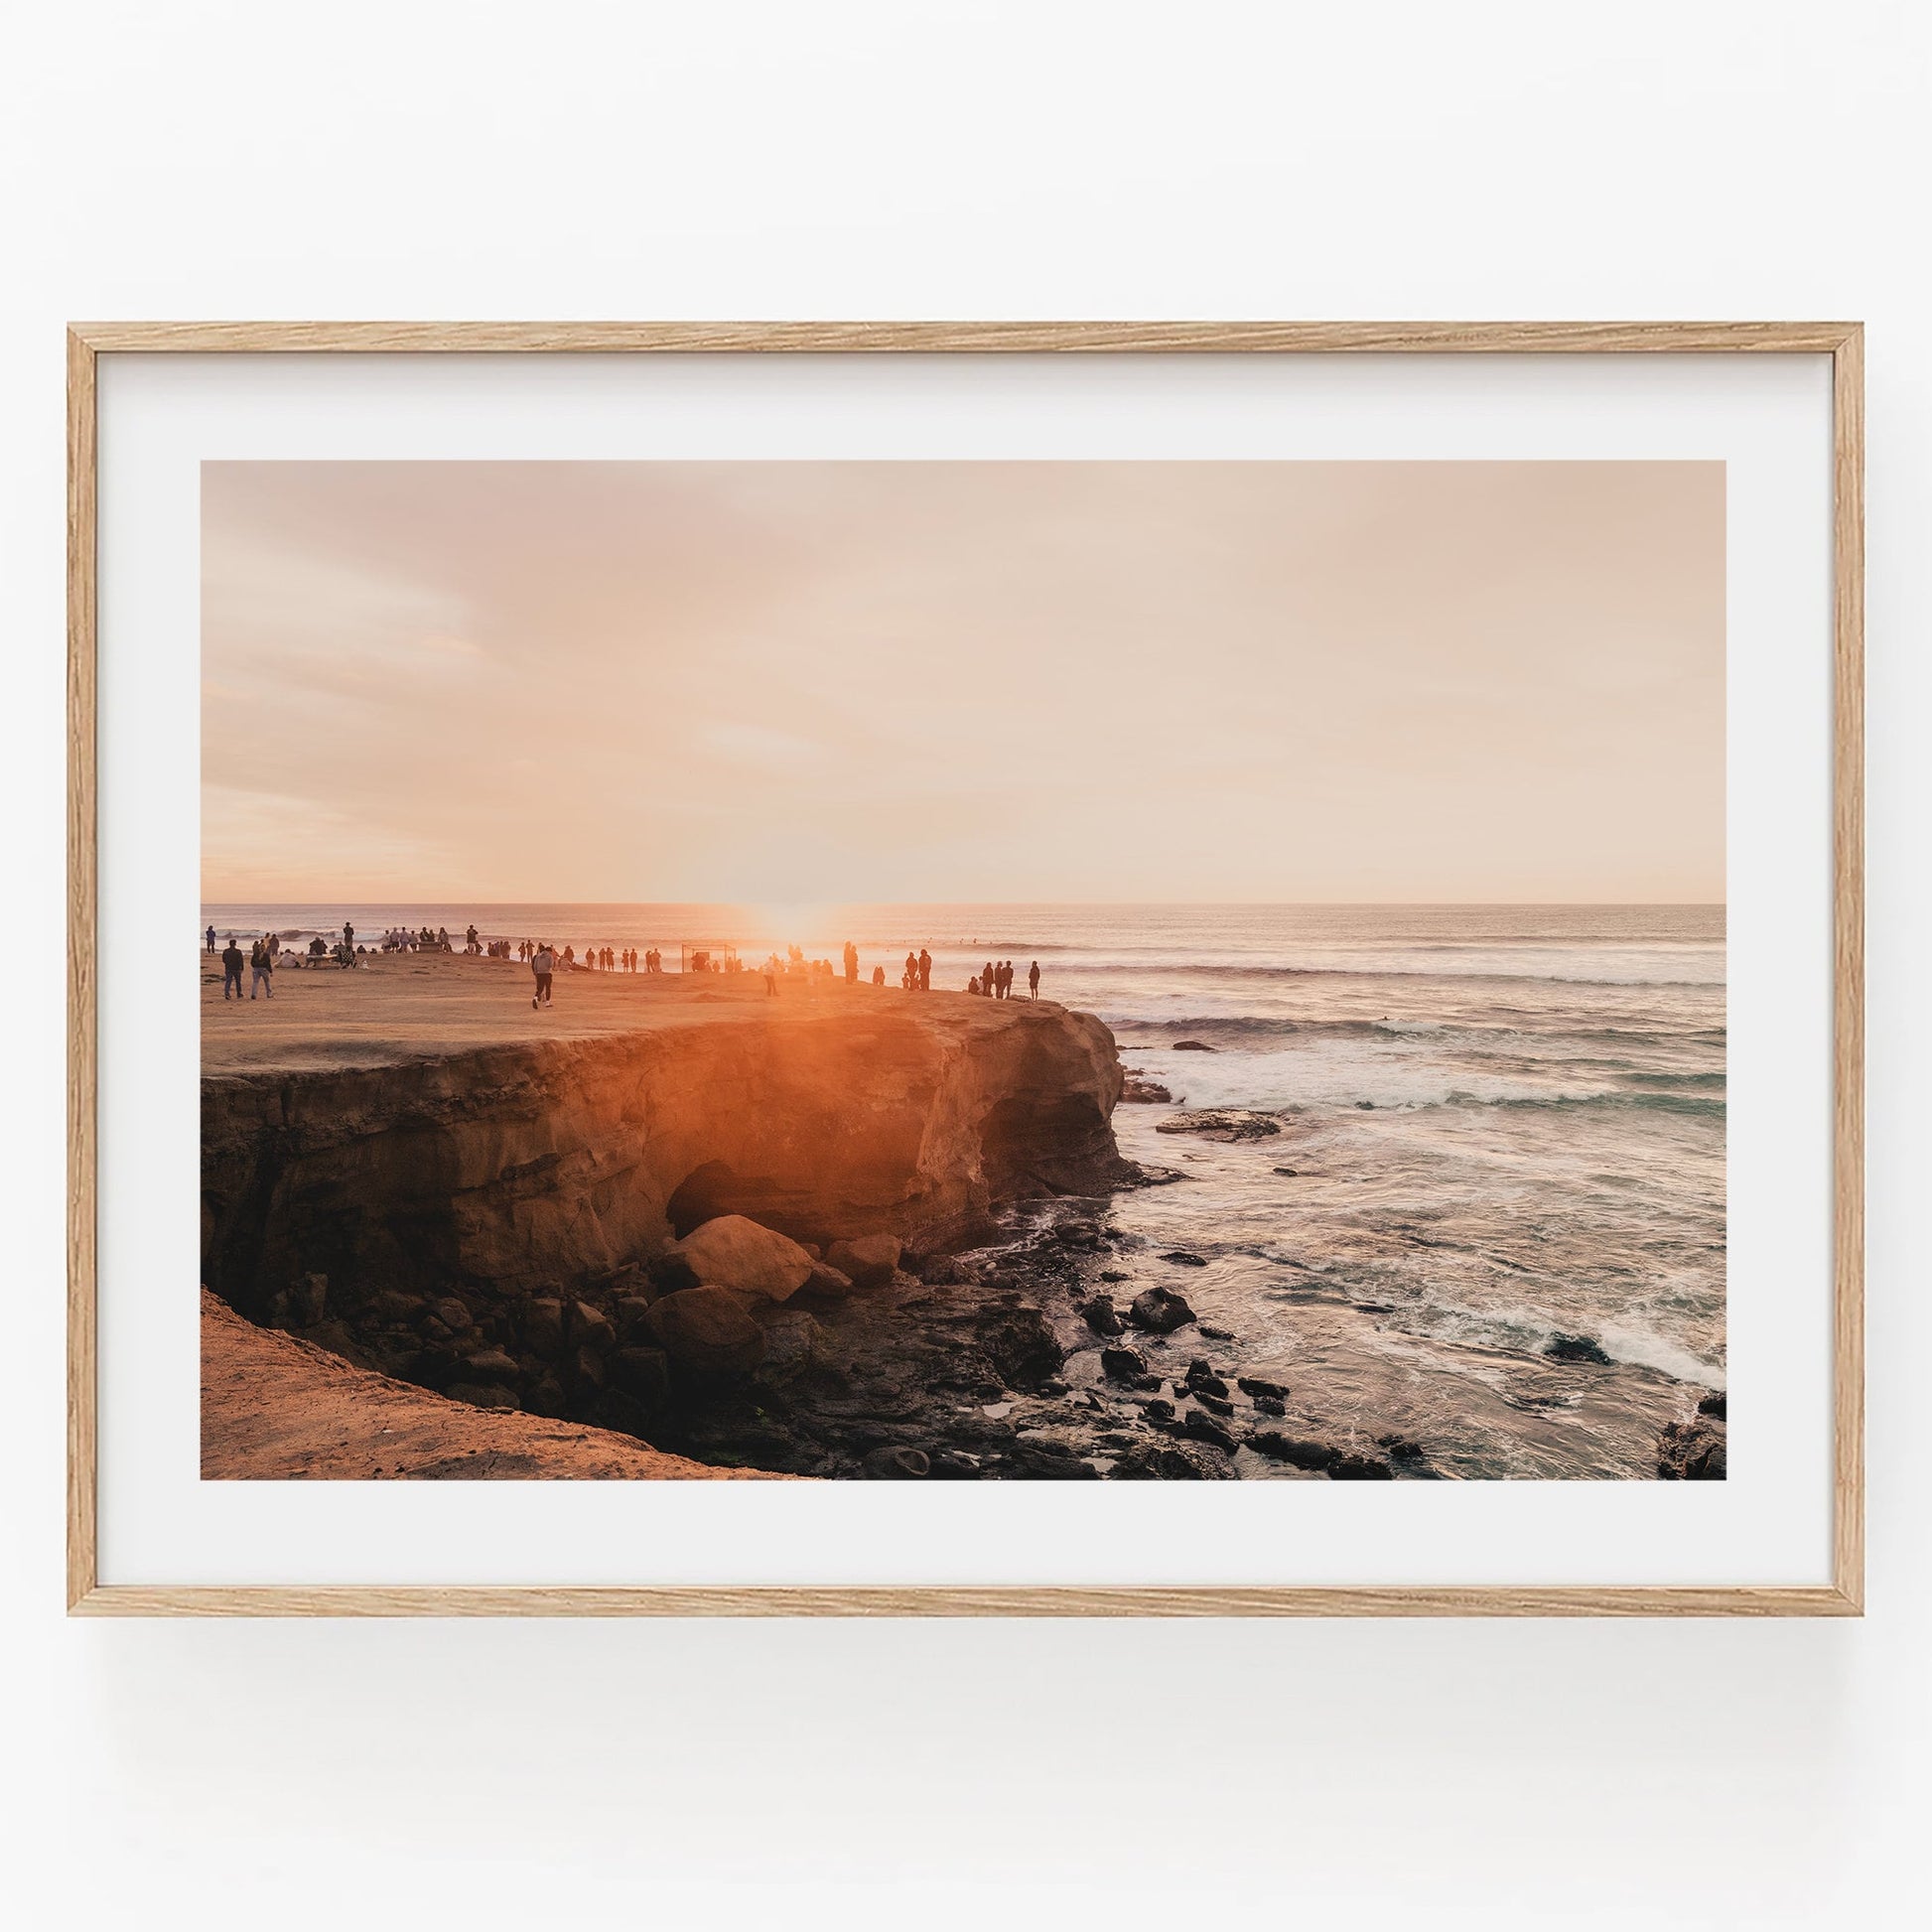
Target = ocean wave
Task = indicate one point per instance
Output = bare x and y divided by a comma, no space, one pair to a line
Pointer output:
1661,1102
1443,1033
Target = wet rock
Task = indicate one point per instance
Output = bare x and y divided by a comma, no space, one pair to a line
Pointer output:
939,1271
1713,1405
1204,1428
1113,1276
1354,1467
1294,1449
1269,1405
1692,1451
1159,1311
1224,1124
1218,1404
543,1327
1291,1173
1192,1046
1101,1315
706,1330
895,1463
870,1261
733,1251
1260,1385
1215,1335
1127,1365
1200,1377
1402,1450
1184,1258
1020,1344
1575,1348
1159,1412
1137,1090
1045,1462
1172,1461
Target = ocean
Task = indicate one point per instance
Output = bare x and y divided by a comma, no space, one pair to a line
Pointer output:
1495,1126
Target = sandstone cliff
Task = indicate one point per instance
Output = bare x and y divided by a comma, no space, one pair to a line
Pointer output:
459,1154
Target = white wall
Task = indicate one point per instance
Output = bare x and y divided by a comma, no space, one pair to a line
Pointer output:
1007,158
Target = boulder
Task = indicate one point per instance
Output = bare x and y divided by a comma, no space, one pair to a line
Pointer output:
1138,1090
706,1330
669,1272
1218,1404
631,1317
1269,1405
1575,1348
1692,1451
1221,1124
1192,1046
1172,1461
1204,1428
1020,1344
1183,1258
733,1251
543,1327
1260,1385
491,1365
588,1327
1101,1315
1713,1405
587,1366
1290,1449
1200,1377
1159,1311
643,1374
1127,1365
895,1463
827,1280
870,1261
791,1340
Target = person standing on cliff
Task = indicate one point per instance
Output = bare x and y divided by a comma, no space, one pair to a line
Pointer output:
926,971
1032,981
851,964
543,962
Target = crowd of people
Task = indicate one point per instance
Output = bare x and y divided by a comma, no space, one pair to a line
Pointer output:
995,981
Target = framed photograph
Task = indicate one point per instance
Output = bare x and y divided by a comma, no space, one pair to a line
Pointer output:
965,968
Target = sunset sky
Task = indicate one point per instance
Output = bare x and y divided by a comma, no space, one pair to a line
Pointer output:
963,681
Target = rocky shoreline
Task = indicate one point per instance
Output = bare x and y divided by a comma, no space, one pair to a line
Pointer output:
877,1240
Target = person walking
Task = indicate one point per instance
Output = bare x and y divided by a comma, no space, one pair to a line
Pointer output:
211,938
1032,981
261,970
543,962
232,964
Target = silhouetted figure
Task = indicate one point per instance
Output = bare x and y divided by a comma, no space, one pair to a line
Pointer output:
911,977
1032,981
211,938
926,971
879,976
851,964
986,979
349,935
973,986
232,965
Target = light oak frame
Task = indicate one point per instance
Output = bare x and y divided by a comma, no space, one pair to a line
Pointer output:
1842,342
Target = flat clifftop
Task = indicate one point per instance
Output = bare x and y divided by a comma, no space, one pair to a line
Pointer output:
274,1407
404,1007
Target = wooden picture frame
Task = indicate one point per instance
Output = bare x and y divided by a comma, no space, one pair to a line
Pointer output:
1841,342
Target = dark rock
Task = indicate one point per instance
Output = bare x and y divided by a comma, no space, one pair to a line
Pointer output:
827,1281
454,1314
1159,1311
1113,1276
1215,1335
631,1318
1692,1451
1400,1448
1020,1344
1045,1462
1269,1405
1181,1258
950,1465
543,1328
1127,1365
546,1398
1101,1315
1575,1348
1200,1377
895,1463
1713,1405
671,1272
1223,1124
1172,1461
394,1307
613,1409
588,1327
1291,1173
643,1374
588,1367
1291,1449
1138,1090
1158,1412
1192,1046
938,1270
1218,1404
1204,1428
1355,1467
1259,1385
706,1330
491,1365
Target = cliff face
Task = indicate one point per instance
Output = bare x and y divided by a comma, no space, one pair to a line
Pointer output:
511,1165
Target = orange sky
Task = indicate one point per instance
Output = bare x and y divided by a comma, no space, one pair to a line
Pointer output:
971,681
